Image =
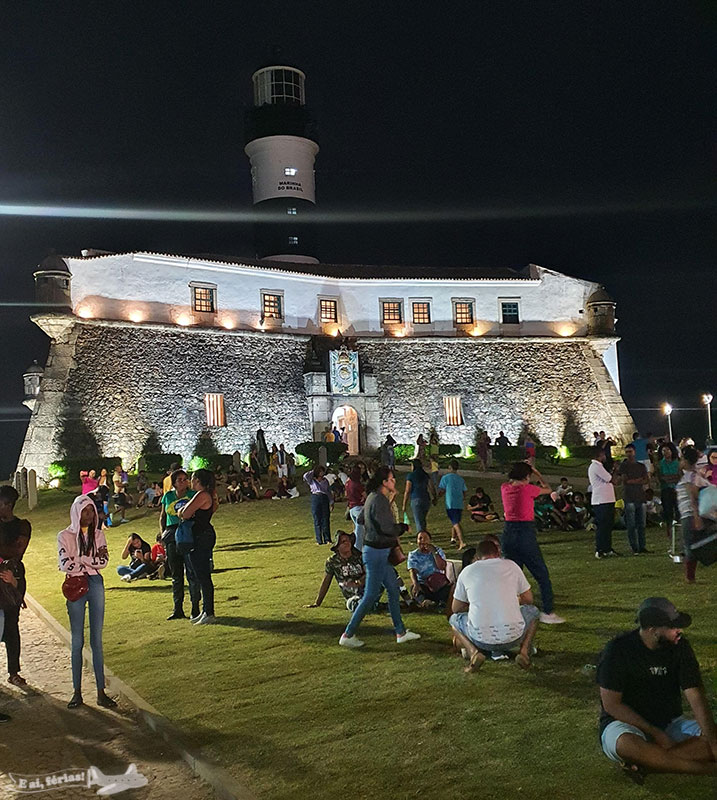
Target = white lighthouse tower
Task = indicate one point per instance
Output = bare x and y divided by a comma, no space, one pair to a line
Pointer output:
281,145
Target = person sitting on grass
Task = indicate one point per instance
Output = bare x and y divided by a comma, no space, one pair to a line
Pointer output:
140,554
159,558
493,608
249,490
641,675
481,507
346,565
579,513
653,508
234,490
427,568
564,487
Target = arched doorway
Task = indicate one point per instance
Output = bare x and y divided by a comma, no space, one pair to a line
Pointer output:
346,417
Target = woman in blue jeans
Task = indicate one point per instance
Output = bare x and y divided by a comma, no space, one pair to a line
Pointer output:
421,492
200,509
380,537
82,550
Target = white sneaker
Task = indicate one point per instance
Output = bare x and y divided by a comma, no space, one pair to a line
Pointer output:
206,619
126,578
350,641
408,636
498,657
551,619
197,620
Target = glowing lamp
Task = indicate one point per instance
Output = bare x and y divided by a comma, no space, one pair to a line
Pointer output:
566,330
563,451
707,399
184,320
228,324
666,409
136,315
84,312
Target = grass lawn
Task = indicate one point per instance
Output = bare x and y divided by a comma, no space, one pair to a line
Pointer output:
268,691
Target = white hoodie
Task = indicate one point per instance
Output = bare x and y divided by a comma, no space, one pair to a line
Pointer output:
68,551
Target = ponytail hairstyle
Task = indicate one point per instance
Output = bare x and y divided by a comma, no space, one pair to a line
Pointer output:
376,480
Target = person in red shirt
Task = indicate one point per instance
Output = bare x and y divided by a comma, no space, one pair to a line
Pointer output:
519,541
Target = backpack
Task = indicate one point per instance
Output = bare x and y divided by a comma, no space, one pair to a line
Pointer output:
184,537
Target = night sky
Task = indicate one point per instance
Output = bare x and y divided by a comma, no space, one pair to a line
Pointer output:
578,136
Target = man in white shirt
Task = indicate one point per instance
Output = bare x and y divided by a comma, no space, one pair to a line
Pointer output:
603,503
493,608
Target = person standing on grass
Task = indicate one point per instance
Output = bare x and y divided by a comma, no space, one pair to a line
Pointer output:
14,538
420,491
635,478
668,471
602,484
200,509
493,608
519,542
355,498
322,503
641,675
172,503
382,533
687,491
454,488
501,446
82,551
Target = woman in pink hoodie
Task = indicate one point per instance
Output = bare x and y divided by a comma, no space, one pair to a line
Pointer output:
82,550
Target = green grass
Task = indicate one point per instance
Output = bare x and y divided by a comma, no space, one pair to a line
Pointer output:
268,692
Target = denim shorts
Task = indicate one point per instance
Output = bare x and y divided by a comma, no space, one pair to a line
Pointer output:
678,730
461,623
454,515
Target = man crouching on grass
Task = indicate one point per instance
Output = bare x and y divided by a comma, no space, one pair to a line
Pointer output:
493,608
641,675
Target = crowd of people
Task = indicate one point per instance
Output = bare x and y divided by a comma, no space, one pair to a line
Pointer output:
488,602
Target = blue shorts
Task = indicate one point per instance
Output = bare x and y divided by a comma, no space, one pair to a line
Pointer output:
455,515
460,623
678,730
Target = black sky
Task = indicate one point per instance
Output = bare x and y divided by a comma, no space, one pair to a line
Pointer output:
460,106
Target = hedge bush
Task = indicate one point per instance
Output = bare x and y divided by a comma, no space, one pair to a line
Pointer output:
160,462
68,469
403,452
335,451
449,449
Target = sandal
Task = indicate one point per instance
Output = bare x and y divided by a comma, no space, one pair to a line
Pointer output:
76,701
106,701
634,772
17,680
476,662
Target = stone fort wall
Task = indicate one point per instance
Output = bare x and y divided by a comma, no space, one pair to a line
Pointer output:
109,386
559,391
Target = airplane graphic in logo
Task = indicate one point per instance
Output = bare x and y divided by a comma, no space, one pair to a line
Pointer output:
114,784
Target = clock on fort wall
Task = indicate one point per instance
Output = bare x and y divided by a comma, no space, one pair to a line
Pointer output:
344,368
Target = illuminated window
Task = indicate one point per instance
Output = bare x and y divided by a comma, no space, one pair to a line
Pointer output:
463,312
271,306
510,312
328,311
421,313
391,311
214,410
290,170
453,409
291,210
293,240
204,298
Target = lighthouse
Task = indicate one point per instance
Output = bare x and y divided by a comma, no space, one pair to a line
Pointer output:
281,146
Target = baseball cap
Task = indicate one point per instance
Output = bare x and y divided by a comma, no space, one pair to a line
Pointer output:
658,612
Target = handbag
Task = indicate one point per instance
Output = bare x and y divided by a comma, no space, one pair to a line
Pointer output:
184,537
436,581
75,587
396,556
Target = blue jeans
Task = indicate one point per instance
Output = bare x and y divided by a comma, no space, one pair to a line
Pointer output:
95,599
379,573
604,520
420,507
321,513
123,569
520,544
635,516
358,528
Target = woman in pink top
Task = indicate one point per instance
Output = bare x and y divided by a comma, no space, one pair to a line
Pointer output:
89,481
519,541
82,550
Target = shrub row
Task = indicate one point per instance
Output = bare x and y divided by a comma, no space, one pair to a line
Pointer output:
335,451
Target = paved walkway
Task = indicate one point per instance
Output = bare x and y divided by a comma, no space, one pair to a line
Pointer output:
46,737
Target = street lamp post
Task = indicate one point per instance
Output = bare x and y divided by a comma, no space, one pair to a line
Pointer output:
707,400
667,410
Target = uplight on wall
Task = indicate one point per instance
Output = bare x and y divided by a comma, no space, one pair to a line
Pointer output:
228,323
135,315
84,312
184,320
566,330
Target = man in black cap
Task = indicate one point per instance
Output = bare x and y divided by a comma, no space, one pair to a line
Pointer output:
641,675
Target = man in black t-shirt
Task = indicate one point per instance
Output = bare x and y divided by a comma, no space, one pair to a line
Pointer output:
641,675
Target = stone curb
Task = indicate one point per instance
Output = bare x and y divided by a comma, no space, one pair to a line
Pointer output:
225,786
